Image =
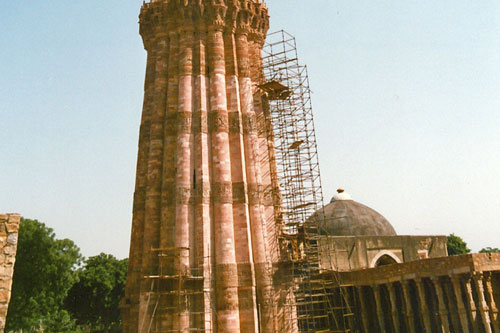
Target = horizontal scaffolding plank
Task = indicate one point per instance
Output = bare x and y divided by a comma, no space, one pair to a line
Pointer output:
174,277
170,249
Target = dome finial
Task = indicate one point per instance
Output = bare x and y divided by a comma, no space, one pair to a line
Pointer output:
341,195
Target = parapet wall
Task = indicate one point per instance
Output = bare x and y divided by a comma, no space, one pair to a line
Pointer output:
361,252
9,228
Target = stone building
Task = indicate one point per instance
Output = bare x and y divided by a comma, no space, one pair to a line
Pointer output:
405,283
363,238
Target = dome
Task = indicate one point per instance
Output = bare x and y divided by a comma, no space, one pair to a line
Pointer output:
346,217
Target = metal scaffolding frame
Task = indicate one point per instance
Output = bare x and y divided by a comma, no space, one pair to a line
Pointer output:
317,305
310,303
172,290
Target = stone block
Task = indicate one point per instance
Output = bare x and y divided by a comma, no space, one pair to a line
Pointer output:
12,238
14,219
4,296
12,226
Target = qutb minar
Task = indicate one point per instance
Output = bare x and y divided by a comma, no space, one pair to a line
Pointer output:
203,239
229,230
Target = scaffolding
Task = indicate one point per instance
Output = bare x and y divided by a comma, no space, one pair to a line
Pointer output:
178,293
314,304
183,297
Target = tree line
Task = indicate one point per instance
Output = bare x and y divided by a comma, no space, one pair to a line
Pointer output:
456,246
56,289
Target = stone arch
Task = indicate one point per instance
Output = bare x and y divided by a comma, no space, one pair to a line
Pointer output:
384,257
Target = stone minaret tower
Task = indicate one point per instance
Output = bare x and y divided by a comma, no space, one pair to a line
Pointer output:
203,237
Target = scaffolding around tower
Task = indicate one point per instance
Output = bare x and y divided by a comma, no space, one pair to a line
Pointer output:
171,291
312,304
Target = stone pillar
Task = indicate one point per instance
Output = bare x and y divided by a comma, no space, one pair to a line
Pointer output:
225,256
483,306
184,167
9,228
201,182
410,320
491,301
246,270
394,307
462,311
443,312
166,320
452,309
423,305
472,304
260,246
153,207
349,294
380,310
364,309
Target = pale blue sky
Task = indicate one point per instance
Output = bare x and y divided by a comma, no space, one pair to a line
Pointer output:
406,101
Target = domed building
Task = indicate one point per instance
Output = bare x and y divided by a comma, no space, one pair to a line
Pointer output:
360,237
398,283
346,217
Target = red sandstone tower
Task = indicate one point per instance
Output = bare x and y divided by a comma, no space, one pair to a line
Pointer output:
203,239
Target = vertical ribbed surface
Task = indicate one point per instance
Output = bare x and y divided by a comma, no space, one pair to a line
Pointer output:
225,254
260,243
202,245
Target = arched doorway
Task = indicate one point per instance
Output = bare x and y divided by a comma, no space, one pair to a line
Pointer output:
385,260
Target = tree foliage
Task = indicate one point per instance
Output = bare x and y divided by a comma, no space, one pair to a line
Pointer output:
456,245
490,250
43,274
94,300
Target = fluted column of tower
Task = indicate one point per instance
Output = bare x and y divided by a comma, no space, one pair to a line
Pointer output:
202,245
260,242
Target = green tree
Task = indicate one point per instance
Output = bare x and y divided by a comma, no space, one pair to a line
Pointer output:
43,274
94,300
456,245
490,250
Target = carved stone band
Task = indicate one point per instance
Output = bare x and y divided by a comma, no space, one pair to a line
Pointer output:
200,124
249,123
202,193
218,121
222,192
255,195
234,122
184,121
239,192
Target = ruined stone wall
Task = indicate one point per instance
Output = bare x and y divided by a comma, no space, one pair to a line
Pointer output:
9,227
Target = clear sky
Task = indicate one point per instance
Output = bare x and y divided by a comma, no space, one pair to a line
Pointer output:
406,101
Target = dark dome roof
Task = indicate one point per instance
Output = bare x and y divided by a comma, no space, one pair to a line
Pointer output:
346,217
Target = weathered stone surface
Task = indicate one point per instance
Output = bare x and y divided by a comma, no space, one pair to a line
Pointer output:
9,223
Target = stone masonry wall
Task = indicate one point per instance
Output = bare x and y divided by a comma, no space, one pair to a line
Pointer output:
9,228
